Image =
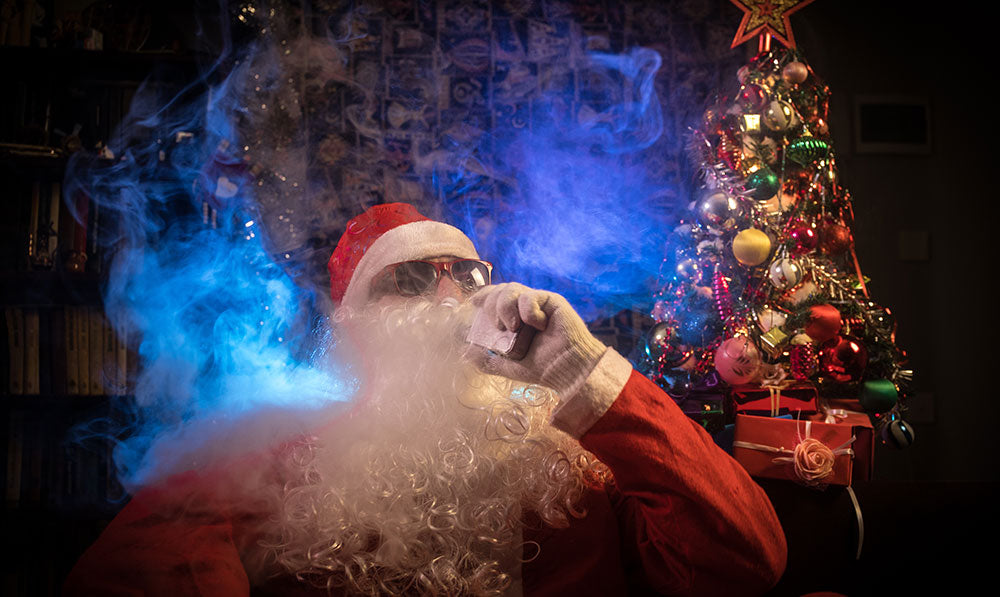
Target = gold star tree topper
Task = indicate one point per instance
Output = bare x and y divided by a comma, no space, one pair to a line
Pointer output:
767,16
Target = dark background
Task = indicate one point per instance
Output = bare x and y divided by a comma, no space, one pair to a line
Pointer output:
927,505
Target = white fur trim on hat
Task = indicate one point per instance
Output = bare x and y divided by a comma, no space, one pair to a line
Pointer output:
416,240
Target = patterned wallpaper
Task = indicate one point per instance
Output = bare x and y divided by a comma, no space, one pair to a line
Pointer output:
419,82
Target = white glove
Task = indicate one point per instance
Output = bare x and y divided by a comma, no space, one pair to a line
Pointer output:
563,352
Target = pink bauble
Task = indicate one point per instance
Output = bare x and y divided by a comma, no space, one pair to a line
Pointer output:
802,238
737,360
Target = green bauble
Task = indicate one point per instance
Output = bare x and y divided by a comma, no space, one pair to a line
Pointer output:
806,150
764,184
878,395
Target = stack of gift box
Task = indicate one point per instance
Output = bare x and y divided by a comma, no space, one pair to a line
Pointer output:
787,431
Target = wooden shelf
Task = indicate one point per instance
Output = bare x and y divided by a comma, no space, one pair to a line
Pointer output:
63,403
96,65
50,288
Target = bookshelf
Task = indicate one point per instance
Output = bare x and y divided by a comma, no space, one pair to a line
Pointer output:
61,362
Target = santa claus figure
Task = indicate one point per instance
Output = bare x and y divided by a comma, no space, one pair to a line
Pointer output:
458,469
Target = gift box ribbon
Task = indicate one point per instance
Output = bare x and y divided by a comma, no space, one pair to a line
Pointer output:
811,459
837,415
774,387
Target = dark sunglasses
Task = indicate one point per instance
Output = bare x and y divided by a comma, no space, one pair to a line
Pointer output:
413,278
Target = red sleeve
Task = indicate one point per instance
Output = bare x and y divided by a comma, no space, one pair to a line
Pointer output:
161,546
691,515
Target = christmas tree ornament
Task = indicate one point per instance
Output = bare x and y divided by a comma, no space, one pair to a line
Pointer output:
802,293
729,152
898,434
763,183
802,238
806,150
753,98
784,273
878,395
843,359
773,341
750,125
764,149
721,295
795,72
835,238
718,209
801,339
824,323
751,247
803,360
779,116
687,270
768,318
737,360
664,346
767,17
780,203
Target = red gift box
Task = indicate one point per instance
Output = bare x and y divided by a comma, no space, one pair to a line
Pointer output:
808,451
775,401
848,404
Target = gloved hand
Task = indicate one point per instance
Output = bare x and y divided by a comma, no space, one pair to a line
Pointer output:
563,352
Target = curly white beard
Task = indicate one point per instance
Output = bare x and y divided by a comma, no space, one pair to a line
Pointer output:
422,489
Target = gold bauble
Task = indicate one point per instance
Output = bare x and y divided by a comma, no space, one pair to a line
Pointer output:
751,247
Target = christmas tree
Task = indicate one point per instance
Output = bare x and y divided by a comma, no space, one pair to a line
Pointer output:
762,287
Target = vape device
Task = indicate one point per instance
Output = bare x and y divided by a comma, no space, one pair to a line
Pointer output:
512,345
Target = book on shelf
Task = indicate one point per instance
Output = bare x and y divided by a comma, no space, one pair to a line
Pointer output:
72,350
82,325
96,320
46,350
31,351
36,191
15,347
109,361
58,365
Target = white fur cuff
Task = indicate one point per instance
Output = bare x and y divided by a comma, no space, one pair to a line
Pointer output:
578,413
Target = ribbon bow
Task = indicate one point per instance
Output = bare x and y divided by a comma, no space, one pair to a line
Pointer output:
811,459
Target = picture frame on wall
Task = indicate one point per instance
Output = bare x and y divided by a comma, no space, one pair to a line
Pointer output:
892,124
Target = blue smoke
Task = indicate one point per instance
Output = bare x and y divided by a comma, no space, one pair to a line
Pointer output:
567,204
210,193
224,335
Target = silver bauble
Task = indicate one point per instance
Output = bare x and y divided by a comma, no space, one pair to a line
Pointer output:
664,346
718,209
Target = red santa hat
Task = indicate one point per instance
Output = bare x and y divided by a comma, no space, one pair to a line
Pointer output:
383,235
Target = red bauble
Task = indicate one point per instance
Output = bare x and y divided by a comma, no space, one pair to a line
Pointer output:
824,323
753,97
802,238
803,360
835,238
844,359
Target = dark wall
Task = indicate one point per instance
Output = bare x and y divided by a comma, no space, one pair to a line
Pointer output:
942,303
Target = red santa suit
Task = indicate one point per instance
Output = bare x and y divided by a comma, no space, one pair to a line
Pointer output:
680,518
